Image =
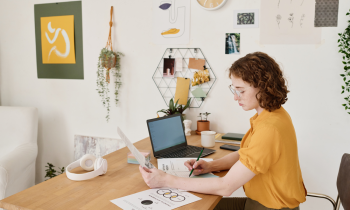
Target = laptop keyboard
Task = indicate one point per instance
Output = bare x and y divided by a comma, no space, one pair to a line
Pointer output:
182,152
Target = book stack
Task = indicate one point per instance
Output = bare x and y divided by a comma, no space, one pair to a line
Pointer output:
229,138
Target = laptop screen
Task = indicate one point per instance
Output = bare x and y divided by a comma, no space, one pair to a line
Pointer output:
167,132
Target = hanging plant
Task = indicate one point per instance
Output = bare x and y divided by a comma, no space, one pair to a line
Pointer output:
108,61
344,44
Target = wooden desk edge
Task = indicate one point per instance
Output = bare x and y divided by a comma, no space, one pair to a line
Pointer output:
9,206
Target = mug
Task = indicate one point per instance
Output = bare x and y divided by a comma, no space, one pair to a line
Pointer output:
208,138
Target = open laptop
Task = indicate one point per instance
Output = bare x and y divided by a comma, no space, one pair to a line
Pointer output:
169,141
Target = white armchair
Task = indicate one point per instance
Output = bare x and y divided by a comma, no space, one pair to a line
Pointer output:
18,149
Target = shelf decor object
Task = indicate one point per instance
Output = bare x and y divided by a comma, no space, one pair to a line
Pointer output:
108,60
167,85
211,4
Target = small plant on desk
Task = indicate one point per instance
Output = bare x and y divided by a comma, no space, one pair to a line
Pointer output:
203,125
51,172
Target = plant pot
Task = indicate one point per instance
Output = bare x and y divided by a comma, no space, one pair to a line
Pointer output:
110,62
202,125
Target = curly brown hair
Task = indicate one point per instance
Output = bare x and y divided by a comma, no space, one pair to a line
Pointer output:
261,71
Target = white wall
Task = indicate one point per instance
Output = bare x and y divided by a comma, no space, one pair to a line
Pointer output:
68,107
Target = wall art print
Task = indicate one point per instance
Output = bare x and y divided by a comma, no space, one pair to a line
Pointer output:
171,21
326,13
59,40
288,22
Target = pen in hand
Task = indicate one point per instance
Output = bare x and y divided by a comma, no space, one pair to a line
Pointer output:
196,161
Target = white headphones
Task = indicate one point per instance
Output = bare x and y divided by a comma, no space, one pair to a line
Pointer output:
89,163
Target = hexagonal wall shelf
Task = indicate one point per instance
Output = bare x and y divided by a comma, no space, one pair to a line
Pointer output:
167,86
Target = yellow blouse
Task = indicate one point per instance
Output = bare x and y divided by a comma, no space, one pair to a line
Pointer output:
269,149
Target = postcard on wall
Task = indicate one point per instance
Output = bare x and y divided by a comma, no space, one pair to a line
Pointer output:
288,22
169,67
171,21
233,43
246,18
196,63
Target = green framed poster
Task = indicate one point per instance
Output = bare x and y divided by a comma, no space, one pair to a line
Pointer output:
59,40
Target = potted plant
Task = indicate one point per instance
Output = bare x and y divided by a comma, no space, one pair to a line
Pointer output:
51,172
175,109
108,60
203,125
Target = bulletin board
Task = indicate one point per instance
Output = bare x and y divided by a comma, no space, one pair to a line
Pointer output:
167,85
72,69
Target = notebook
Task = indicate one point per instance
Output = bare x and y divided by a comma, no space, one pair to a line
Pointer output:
168,139
233,136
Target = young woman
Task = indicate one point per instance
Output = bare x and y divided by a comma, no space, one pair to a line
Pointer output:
267,164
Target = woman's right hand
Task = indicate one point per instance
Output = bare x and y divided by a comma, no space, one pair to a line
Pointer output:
200,166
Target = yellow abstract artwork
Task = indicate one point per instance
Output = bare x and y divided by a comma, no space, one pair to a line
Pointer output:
57,39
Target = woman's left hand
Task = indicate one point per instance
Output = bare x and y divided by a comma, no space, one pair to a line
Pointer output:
154,178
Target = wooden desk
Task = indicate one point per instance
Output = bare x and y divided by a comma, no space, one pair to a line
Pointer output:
121,179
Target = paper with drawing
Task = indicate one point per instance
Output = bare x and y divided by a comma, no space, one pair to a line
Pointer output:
156,199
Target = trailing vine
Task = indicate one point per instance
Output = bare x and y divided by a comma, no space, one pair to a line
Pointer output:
106,61
344,44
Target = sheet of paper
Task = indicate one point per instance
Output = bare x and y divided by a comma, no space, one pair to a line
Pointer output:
139,157
171,22
198,93
326,13
182,88
156,199
176,166
288,22
178,64
196,64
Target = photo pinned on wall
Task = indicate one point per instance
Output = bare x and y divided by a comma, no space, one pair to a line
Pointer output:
169,67
246,18
233,43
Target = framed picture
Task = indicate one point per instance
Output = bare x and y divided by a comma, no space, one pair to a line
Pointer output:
59,40
246,18
233,43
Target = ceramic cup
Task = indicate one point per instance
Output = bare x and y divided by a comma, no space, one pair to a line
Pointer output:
208,138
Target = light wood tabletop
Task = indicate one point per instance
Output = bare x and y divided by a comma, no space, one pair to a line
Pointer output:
121,179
